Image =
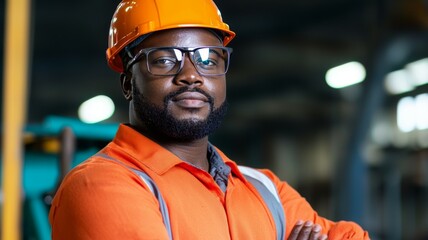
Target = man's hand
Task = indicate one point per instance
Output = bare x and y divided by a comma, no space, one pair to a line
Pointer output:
306,231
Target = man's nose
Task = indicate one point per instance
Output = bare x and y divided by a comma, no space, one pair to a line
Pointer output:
188,74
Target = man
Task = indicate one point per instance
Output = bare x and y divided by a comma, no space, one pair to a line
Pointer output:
160,178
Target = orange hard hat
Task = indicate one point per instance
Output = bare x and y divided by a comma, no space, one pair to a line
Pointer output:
134,18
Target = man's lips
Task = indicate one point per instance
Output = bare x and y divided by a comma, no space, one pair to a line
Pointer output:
190,100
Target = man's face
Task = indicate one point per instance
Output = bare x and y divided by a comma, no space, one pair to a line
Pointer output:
186,106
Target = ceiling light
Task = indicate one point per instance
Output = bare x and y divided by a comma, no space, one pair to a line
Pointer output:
399,82
96,109
418,71
345,75
421,105
406,114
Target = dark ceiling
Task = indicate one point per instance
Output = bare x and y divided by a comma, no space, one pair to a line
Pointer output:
282,50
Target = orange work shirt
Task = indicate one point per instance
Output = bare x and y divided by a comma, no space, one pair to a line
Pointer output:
103,199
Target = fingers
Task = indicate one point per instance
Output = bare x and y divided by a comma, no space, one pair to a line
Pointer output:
296,230
307,231
323,237
316,232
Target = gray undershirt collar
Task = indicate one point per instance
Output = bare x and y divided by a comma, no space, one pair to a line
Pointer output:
218,169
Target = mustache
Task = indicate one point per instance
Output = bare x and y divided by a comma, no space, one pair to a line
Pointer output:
181,90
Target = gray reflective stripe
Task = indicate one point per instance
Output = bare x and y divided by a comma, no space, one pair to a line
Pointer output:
268,191
153,188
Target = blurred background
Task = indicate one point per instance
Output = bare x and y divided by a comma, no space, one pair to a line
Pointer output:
331,95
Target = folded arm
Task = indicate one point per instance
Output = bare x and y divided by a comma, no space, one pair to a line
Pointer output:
297,209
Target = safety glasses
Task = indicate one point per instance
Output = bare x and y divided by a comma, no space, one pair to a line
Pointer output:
168,61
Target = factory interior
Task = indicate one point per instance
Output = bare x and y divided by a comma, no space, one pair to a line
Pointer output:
331,95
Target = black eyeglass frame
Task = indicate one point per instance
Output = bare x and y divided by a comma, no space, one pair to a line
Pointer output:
145,52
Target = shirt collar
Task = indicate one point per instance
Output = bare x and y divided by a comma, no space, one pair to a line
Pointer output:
145,151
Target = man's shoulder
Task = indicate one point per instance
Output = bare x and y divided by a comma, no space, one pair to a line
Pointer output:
96,169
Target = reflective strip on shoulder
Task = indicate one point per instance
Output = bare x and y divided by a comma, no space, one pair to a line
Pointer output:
251,172
148,181
268,192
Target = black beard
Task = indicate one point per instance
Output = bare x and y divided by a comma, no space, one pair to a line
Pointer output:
161,125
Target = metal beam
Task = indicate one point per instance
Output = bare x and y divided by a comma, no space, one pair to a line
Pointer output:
14,110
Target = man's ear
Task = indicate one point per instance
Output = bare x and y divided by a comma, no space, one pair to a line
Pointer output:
126,84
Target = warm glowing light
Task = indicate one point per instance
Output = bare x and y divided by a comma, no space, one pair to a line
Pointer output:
345,75
96,109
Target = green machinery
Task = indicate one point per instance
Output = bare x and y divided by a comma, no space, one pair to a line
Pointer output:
51,150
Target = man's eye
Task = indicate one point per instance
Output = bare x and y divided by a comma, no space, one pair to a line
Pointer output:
206,62
163,61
